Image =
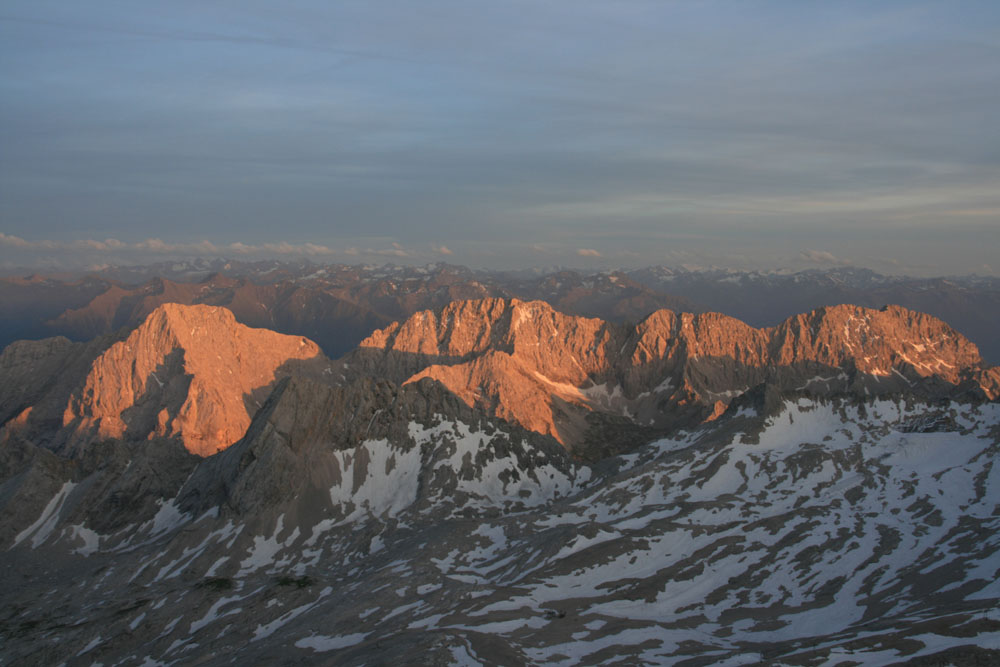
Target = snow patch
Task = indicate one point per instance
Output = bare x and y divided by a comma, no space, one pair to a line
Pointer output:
323,643
40,530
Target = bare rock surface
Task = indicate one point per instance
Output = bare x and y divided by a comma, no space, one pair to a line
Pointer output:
187,373
545,370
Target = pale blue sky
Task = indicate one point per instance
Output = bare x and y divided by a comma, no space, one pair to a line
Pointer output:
503,133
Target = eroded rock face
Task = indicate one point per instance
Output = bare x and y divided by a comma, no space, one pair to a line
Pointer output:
188,373
546,371
876,342
37,378
506,356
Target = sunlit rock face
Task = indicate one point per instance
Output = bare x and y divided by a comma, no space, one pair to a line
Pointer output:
569,377
188,373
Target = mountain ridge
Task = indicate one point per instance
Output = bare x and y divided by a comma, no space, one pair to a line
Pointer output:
338,305
525,362
670,369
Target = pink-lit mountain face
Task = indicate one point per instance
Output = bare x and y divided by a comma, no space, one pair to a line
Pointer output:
188,373
550,372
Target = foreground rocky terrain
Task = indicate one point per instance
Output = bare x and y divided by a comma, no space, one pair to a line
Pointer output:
823,492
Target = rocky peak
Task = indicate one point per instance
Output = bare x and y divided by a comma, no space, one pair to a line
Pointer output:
532,331
551,372
188,372
876,342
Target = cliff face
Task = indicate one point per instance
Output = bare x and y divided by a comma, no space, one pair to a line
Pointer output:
554,373
508,357
188,373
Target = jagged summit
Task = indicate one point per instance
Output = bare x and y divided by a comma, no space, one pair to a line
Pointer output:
190,373
523,329
555,373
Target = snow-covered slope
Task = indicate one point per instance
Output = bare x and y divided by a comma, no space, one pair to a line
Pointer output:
816,533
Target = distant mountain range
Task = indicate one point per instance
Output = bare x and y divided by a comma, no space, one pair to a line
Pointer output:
338,306
970,304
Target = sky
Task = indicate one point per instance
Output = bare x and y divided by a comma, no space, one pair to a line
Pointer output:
503,134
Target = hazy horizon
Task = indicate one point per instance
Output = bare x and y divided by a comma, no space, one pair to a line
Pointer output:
59,268
752,136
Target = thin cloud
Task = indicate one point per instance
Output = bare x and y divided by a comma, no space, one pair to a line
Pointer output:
107,244
395,251
587,252
203,36
13,241
160,247
87,252
822,257
581,148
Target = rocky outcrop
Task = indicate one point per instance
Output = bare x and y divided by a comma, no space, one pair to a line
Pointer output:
970,304
309,438
507,356
187,373
110,485
547,371
37,378
749,540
